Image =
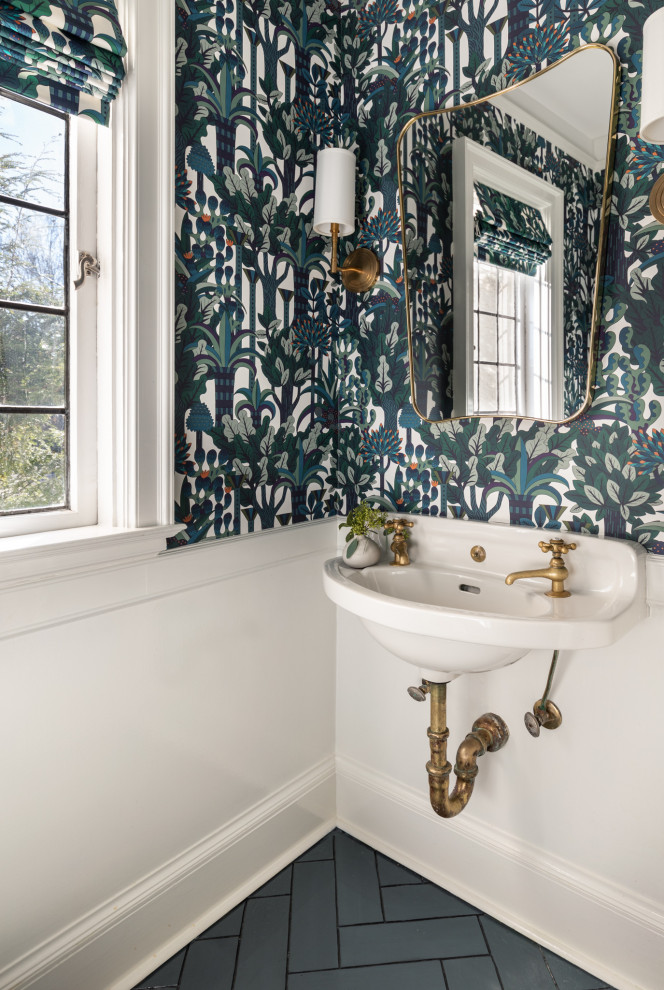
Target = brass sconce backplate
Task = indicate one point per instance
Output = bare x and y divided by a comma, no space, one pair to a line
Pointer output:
360,270
657,200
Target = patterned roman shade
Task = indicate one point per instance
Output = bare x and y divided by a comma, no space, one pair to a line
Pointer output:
509,233
65,53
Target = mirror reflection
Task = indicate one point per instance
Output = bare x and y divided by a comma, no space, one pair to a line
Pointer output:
502,203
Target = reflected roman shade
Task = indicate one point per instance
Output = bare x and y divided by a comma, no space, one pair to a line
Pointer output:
509,233
64,53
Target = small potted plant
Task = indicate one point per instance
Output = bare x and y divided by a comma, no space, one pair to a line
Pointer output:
361,549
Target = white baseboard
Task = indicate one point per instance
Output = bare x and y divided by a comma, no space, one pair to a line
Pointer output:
112,947
604,929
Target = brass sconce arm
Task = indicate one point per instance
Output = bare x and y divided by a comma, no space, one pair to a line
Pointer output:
334,230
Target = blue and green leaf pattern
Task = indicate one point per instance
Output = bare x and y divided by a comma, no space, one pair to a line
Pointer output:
65,53
293,397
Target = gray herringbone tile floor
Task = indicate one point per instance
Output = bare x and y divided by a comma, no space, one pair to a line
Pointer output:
343,917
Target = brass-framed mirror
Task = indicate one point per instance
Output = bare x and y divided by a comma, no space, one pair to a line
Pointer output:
504,207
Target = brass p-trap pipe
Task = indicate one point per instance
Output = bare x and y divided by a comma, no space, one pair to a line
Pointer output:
489,734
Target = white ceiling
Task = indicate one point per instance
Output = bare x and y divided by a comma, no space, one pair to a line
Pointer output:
569,105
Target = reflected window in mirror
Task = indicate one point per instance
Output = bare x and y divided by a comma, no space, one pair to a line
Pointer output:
512,342
511,308
508,234
561,143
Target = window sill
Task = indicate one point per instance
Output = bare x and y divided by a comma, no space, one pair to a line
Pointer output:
33,558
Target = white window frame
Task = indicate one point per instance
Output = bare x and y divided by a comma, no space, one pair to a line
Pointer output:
136,302
135,378
471,163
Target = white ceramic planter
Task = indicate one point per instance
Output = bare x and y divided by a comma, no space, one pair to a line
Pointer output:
367,552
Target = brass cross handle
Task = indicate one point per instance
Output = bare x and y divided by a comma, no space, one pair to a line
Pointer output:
556,547
399,545
398,525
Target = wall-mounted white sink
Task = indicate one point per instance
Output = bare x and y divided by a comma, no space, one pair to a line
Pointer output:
449,615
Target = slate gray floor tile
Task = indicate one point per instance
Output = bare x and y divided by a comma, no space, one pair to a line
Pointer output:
280,884
209,964
313,935
405,941
288,935
358,892
401,976
230,924
261,963
165,976
478,973
423,900
390,872
322,850
519,961
570,977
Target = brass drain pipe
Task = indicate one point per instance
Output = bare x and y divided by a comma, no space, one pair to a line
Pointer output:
489,734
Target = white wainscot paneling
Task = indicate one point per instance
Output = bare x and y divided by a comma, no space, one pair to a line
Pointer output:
562,837
168,730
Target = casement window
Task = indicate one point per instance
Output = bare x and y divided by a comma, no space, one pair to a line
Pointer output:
86,374
48,328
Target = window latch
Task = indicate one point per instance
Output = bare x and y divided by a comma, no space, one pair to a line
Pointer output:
87,265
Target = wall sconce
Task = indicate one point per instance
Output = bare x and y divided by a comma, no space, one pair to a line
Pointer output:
334,216
652,98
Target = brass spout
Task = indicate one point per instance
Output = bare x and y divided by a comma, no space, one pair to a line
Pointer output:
489,734
556,575
556,572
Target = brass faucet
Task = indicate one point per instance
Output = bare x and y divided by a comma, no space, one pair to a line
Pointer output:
398,545
556,571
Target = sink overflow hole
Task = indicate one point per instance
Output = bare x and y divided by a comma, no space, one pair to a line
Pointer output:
472,589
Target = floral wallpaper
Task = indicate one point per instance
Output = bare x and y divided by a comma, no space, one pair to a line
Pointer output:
293,397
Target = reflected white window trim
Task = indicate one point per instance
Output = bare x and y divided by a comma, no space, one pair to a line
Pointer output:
134,437
471,163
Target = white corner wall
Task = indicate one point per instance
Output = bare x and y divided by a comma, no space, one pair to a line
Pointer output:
168,738
168,731
563,836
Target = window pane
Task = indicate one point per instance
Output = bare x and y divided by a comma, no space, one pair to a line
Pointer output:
32,461
31,256
488,287
32,154
507,390
488,338
506,341
487,387
506,281
32,359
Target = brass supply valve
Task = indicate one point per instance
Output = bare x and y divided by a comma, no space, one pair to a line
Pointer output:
542,717
419,693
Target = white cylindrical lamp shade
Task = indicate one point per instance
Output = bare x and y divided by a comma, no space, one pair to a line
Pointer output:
652,79
335,191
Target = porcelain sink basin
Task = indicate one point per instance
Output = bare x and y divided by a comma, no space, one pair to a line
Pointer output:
449,615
